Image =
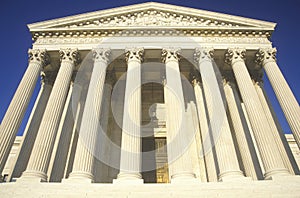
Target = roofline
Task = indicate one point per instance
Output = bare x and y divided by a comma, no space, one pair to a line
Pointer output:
148,5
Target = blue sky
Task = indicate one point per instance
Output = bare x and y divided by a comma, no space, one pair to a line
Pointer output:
16,39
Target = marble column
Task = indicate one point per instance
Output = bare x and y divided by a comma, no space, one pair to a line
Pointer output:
196,147
179,159
83,167
115,151
241,132
104,142
277,132
62,142
40,157
290,107
34,121
117,105
227,159
78,101
269,152
130,163
207,146
14,115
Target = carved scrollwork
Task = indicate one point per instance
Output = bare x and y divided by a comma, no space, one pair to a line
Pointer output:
152,18
71,40
203,54
234,55
100,54
170,54
69,54
265,55
134,54
39,55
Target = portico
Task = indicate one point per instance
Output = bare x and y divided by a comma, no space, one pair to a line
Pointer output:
150,95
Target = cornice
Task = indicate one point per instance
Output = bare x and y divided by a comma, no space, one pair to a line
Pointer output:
150,31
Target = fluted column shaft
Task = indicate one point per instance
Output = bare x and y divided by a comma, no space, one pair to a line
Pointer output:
241,133
206,150
285,96
78,101
179,159
32,127
195,149
17,108
130,163
104,142
276,131
226,154
269,152
83,167
40,157
62,142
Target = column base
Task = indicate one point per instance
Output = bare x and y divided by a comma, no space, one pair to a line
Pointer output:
184,178
32,176
128,178
232,176
80,177
276,172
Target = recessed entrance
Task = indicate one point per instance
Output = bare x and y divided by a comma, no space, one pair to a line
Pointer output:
154,148
155,160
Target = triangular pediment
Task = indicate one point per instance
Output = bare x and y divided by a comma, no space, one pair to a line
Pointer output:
151,15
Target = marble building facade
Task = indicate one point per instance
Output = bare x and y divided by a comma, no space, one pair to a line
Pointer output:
151,93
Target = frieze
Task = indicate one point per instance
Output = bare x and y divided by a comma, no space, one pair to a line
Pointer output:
73,40
96,40
236,40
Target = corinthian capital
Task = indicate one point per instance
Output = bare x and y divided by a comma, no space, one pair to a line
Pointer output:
134,54
100,54
71,55
170,54
203,54
39,55
265,55
233,55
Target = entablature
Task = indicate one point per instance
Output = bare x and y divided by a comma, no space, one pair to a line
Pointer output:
151,42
